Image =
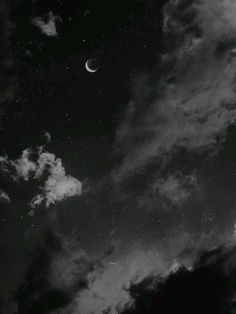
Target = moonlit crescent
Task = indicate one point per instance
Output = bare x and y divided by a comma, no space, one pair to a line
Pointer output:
91,65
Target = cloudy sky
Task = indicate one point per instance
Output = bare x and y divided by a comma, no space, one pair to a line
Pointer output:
117,175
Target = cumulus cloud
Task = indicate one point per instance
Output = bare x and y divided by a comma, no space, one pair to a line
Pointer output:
48,25
56,187
21,168
24,167
188,100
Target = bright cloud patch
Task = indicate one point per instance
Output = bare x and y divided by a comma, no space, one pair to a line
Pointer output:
56,187
48,25
24,166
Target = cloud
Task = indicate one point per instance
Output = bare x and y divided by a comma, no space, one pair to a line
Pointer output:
21,168
63,279
58,185
43,166
48,26
163,192
4,197
57,271
189,99
24,167
176,188
108,285
209,287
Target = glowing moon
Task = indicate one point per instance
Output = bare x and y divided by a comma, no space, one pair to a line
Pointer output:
91,65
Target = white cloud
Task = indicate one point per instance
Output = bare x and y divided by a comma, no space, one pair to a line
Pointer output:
47,27
21,168
189,98
56,187
4,197
24,167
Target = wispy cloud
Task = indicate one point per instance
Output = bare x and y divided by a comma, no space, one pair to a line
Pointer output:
189,98
71,281
176,188
163,192
109,284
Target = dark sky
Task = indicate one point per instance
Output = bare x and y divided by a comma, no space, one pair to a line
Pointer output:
109,177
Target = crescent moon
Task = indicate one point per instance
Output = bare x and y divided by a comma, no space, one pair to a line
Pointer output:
87,67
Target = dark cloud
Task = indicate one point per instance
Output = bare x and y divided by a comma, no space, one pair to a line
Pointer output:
62,277
64,280
208,287
54,276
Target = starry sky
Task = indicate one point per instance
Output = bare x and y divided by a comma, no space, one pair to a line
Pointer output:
117,185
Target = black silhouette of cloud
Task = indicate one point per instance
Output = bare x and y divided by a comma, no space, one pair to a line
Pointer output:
209,287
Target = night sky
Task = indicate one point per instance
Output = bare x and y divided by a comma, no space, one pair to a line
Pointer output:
117,156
